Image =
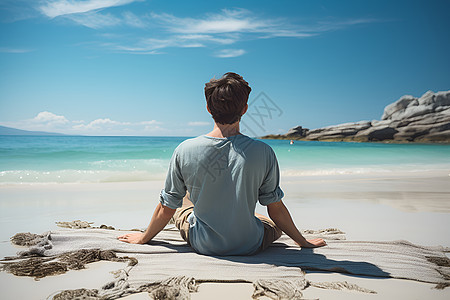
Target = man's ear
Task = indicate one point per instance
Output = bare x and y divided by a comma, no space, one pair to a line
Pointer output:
207,108
245,109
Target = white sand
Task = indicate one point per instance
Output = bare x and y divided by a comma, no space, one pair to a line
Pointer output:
411,207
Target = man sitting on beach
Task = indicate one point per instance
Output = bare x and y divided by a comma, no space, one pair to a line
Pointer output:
223,174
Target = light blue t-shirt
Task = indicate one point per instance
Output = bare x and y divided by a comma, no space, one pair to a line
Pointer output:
225,178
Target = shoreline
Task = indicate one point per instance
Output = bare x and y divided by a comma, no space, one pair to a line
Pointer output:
286,174
350,140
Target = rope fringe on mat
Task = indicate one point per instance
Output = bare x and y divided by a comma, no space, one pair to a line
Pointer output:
78,294
443,267
291,289
279,289
173,288
340,285
26,239
177,288
39,267
77,224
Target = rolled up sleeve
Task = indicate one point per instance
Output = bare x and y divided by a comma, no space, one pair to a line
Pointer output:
170,200
270,191
174,189
271,197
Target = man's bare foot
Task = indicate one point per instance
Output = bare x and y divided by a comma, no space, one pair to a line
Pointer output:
313,243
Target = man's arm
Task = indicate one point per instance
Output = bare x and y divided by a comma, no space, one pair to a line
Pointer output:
282,218
159,220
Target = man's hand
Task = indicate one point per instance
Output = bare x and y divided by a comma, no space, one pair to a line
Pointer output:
160,218
313,243
132,238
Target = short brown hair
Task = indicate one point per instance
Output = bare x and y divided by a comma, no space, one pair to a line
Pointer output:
226,97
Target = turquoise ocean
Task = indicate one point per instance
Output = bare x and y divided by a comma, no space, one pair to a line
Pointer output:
91,159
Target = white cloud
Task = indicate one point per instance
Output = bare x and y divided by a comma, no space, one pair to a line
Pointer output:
150,45
224,28
55,8
100,124
198,123
330,25
152,122
46,117
229,21
145,52
225,53
106,125
43,121
95,20
208,38
133,20
50,122
227,27
136,49
87,13
151,126
14,50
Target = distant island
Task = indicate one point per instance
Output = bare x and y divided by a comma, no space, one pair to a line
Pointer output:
409,119
13,131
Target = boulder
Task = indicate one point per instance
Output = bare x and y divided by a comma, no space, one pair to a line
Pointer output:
338,132
409,119
409,107
399,105
298,131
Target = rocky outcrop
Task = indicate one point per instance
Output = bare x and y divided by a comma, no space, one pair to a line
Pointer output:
297,132
409,119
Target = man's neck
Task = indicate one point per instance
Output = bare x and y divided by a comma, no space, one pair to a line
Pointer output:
224,130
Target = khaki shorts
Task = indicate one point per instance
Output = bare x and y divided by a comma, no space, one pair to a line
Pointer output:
271,231
181,222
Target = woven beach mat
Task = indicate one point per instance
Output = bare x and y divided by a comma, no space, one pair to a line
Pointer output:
168,265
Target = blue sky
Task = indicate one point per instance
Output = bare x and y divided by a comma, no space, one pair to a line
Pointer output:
131,67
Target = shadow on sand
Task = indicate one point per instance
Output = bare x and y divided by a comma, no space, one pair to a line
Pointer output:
280,254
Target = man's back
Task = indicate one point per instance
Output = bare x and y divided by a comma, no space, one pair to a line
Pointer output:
225,178
226,173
